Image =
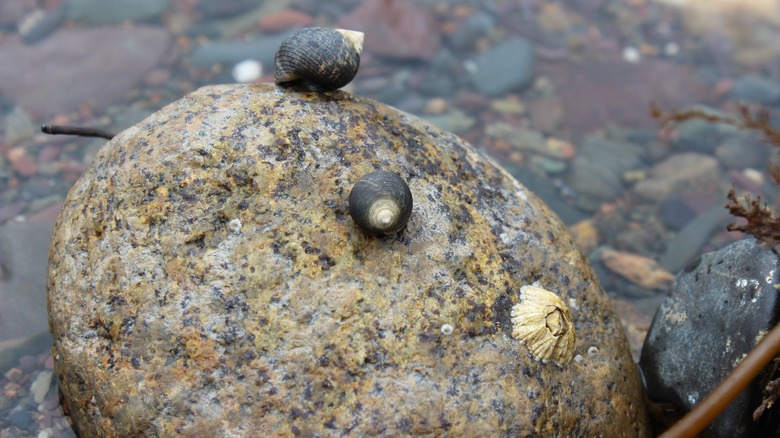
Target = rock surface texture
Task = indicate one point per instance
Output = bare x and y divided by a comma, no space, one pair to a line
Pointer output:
206,279
718,309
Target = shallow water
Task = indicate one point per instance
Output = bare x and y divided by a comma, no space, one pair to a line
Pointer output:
570,119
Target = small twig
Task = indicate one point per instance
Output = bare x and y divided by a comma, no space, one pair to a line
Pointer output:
76,130
703,413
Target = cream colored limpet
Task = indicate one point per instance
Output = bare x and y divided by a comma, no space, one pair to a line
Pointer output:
543,322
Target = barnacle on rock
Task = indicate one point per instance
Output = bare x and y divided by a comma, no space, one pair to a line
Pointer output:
543,322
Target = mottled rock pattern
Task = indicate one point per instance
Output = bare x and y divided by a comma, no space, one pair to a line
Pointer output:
718,309
206,279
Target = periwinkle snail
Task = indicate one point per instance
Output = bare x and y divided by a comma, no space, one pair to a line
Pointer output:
328,59
380,203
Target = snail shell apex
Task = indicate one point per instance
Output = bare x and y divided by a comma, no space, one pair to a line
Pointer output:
325,58
380,203
543,322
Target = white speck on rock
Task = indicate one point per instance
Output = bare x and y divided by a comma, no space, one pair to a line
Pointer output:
447,329
234,226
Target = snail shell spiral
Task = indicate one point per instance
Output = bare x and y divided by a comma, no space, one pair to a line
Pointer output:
380,203
325,58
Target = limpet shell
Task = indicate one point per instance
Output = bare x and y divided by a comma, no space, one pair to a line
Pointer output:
543,322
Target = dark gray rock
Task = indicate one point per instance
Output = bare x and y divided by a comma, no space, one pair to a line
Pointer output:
752,88
675,213
41,24
20,417
688,242
505,67
597,171
746,150
716,312
698,135
472,28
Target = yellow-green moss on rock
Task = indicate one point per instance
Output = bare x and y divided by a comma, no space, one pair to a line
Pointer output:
206,279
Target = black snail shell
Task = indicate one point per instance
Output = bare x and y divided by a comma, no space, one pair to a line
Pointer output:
380,203
325,58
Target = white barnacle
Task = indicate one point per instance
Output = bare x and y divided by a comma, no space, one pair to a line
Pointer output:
543,322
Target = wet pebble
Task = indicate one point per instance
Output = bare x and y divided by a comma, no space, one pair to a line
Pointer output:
675,213
521,139
400,29
467,31
40,23
742,151
679,172
18,127
754,88
687,244
20,417
285,19
21,163
549,192
40,386
455,121
597,170
508,105
503,68
640,270
27,363
546,113
698,135
585,235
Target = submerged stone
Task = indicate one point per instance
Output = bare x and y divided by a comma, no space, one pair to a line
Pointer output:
206,278
720,306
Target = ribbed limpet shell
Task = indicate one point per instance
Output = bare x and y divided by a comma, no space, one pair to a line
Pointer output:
543,322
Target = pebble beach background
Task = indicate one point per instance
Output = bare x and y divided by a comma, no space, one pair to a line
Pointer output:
558,92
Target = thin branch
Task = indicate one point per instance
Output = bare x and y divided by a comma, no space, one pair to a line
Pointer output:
709,408
76,130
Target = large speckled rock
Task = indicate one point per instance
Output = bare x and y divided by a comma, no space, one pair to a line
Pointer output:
206,279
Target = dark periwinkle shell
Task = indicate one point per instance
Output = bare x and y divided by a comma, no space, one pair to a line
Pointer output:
380,203
325,58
